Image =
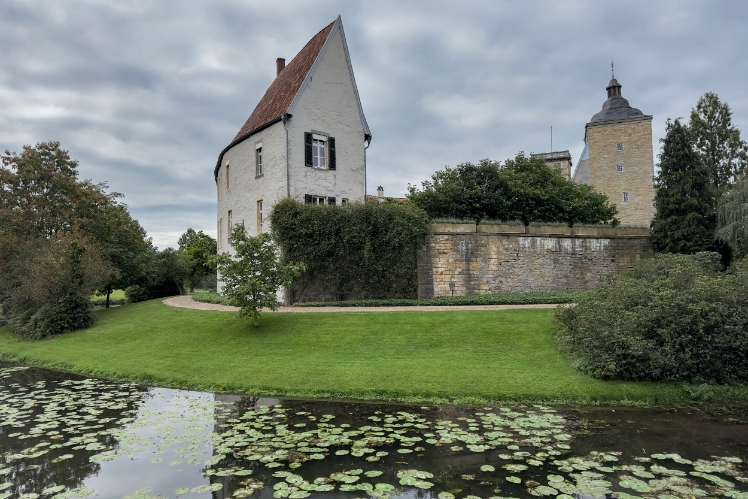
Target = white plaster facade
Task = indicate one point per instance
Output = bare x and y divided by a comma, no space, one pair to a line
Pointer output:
326,104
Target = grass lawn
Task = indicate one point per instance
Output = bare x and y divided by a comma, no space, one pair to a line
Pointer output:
459,356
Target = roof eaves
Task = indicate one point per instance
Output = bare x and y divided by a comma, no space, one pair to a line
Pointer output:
239,140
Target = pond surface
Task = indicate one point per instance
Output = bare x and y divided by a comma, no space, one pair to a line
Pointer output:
64,436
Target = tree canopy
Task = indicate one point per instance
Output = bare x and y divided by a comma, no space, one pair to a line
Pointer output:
732,216
717,141
197,250
523,188
45,209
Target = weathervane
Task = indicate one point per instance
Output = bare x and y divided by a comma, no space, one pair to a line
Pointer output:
612,70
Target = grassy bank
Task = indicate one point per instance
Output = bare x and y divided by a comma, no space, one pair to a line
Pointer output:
460,356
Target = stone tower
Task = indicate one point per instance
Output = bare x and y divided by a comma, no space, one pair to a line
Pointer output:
618,158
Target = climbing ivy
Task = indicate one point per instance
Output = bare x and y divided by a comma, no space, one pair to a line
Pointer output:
354,251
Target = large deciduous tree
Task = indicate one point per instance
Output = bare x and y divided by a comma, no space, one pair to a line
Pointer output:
43,205
684,199
253,275
522,188
197,250
717,141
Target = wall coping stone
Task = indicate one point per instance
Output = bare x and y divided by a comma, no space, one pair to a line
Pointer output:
540,230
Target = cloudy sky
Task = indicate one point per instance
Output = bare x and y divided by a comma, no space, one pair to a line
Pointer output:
146,93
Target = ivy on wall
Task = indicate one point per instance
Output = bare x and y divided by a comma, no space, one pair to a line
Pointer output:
354,251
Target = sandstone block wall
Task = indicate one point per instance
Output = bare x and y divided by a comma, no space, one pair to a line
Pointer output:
471,260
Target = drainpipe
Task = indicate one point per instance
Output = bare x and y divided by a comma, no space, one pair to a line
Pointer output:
367,138
288,170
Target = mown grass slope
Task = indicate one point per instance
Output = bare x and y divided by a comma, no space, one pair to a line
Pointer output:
460,356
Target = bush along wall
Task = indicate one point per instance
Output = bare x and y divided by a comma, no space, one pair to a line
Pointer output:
359,251
671,318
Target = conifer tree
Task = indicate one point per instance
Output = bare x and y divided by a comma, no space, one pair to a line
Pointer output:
684,198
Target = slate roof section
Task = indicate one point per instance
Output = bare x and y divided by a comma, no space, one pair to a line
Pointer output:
616,108
286,85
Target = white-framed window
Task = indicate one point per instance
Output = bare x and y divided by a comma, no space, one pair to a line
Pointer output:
259,217
228,185
319,151
259,168
344,201
619,146
625,197
619,168
319,199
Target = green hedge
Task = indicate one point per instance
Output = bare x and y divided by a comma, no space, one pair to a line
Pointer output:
355,251
209,297
671,318
534,298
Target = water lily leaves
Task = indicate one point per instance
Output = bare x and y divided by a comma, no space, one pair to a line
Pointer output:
404,451
514,468
181,490
445,495
543,490
513,479
487,467
643,474
629,482
201,489
49,490
341,452
555,478
373,473
299,494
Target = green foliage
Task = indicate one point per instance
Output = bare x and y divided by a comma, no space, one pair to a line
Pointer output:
197,250
253,275
136,293
717,141
523,189
684,198
671,318
732,214
536,297
209,297
360,250
53,287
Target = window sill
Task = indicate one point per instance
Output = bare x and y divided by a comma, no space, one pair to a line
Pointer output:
259,176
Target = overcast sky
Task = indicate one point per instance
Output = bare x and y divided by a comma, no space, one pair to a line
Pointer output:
145,94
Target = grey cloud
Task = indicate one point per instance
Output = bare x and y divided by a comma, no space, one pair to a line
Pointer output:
145,94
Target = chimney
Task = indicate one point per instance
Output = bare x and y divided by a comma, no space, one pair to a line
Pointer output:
280,63
380,192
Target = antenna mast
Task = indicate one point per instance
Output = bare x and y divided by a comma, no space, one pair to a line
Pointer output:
551,138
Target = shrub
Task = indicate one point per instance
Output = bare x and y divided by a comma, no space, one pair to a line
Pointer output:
135,293
671,318
549,297
355,251
209,297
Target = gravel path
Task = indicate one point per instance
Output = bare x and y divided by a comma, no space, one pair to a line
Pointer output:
187,302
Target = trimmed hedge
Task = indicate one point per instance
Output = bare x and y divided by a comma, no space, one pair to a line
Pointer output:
534,298
354,251
671,318
209,297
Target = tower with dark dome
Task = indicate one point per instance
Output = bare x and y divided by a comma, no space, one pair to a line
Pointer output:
618,159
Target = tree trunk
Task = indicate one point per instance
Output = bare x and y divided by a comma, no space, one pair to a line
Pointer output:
108,292
257,323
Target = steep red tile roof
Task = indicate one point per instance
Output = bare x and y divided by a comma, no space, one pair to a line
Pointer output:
284,88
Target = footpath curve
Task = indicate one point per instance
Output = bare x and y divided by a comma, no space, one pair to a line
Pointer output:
186,301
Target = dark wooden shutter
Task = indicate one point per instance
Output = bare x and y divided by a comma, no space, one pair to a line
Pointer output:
331,200
308,160
331,151
308,198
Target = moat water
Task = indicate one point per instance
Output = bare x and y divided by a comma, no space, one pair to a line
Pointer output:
64,436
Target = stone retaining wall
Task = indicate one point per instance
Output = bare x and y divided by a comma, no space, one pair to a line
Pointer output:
465,259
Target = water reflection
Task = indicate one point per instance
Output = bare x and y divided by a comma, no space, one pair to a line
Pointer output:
64,436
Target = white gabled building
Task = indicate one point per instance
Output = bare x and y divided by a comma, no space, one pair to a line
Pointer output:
305,140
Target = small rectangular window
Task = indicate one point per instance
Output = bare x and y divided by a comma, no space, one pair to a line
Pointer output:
228,224
344,201
619,168
619,146
311,199
220,232
259,170
319,151
259,217
227,177
625,197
